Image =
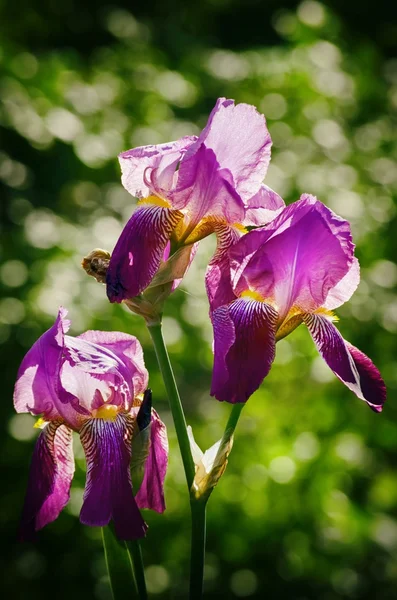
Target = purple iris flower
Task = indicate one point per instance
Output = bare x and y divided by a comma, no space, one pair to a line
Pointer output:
295,270
189,189
91,384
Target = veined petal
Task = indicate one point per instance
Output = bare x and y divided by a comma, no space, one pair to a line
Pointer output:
108,491
348,363
244,348
241,142
151,491
51,473
263,207
36,389
128,352
217,278
205,189
162,157
296,259
139,251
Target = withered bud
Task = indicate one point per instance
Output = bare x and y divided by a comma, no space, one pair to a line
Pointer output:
96,264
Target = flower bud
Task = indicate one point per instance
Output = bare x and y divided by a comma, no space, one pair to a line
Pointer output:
210,465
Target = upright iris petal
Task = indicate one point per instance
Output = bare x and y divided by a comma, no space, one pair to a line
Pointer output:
189,189
91,384
291,271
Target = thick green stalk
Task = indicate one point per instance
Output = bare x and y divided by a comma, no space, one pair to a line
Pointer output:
139,571
118,562
174,400
197,555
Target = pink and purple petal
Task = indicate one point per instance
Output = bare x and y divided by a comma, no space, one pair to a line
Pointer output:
151,491
217,278
139,251
244,348
205,189
296,259
137,165
348,363
124,352
345,288
37,386
241,142
108,491
51,473
263,207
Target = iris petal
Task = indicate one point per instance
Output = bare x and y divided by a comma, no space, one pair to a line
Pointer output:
139,251
162,158
244,348
51,473
348,363
151,491
108,491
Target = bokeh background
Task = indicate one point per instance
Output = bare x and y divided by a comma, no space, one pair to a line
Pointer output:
307,508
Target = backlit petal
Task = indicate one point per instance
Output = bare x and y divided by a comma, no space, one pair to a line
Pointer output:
128,352
348,363
205,189
295,260
241,142
345,288
263,207
137,164
36,389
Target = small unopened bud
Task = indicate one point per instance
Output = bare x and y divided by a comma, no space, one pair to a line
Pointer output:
96,264
210,465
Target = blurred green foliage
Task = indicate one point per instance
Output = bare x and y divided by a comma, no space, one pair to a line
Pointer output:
307,508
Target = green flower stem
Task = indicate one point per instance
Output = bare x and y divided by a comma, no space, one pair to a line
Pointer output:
232,421
197,556
174,400
139,571
197,505
119,565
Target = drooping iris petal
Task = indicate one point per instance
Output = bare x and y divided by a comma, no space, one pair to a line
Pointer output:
36,389
348,363
204,189
151,491
51,473
241,142
108,491
163,158
263,207
296,259
244,348
139,251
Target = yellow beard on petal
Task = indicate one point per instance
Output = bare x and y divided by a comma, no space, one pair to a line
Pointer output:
325,312
252,295
107,412
156,201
